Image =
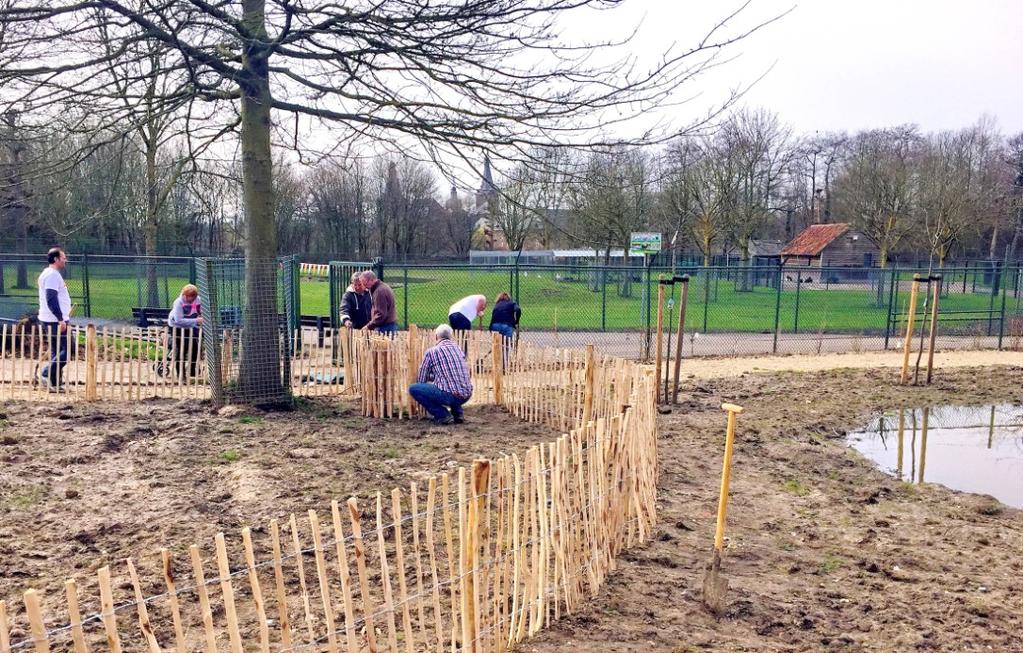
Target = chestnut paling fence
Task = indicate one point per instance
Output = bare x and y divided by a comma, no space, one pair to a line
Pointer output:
133,363
475,560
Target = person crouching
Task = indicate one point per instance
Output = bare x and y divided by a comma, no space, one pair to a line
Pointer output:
443,384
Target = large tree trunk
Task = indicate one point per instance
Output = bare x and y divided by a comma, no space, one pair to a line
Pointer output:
150,229
259,379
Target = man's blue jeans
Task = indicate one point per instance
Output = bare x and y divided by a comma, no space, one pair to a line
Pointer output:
436,401
57,343
387,328
506,330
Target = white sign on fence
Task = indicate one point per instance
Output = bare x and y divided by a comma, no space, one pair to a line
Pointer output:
644,242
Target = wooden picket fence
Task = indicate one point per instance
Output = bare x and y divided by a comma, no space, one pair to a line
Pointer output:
132,363
476,560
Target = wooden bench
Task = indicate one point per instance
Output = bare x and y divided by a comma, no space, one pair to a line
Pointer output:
147,316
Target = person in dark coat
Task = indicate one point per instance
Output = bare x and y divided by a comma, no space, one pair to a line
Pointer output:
505,316
356,304
383,317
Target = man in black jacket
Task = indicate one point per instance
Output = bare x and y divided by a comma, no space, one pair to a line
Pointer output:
356,304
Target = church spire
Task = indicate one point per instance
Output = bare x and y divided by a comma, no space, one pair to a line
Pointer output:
487,185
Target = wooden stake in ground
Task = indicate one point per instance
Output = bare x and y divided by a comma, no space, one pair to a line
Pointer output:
684,279
935,294
908,344
658,345
715,585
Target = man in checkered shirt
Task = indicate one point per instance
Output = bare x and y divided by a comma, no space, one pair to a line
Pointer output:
443,382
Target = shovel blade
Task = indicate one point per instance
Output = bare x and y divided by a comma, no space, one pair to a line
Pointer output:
715,587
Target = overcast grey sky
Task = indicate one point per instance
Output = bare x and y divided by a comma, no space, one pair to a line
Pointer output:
852,64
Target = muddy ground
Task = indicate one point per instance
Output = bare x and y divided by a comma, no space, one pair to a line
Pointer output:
824,553
82,486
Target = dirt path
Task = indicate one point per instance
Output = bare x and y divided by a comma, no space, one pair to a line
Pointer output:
709,368
825,552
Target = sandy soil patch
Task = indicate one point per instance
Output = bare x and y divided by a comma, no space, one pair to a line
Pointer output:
721,367
825,552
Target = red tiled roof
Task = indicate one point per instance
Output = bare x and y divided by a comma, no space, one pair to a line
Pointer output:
812,240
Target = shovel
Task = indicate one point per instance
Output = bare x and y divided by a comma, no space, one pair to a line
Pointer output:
715,585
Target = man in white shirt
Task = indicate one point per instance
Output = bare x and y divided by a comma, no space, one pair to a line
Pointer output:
464,311
54,313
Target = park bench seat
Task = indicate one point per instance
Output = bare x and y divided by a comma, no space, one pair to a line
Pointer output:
147,316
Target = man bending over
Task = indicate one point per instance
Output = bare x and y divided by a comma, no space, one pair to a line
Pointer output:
443,382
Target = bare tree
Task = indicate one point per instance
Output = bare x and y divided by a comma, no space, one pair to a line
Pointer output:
712,194
757,144
674,207
453,76
339,200
960,186
876,188
1014,159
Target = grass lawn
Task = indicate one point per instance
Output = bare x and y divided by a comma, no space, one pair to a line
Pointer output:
553,299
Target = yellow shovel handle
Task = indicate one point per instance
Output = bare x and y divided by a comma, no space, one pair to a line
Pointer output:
726,474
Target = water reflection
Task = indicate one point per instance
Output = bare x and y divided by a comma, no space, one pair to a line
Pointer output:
971,448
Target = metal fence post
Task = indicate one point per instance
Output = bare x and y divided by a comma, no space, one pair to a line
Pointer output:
777,314
378,267
996,284
404,286
892,289
646,304
191,270
603,298
1001,320
799,283
706,295
332,295
86,295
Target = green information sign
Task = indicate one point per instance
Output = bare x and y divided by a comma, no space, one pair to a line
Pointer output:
645,242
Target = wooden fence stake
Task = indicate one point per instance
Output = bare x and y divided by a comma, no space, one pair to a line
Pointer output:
588,391
679,341
5,630
658,346
106,596
172,599
282,597
321,574
907,345
300,563
497,363
385,576
74,617
399,557
224,569
346,578
35,620
360,565
140,605
204,599
438,616
257,591
935,296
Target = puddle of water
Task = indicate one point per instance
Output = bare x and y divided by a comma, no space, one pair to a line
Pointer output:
970,448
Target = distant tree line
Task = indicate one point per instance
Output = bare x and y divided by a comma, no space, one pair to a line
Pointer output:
939,196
